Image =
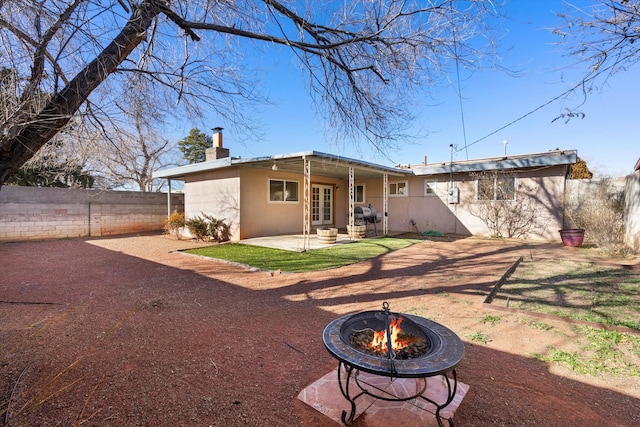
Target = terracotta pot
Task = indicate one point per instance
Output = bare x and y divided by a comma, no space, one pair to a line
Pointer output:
572,236
327,235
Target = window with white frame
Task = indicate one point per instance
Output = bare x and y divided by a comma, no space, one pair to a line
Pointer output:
283,191
498,187
399,189
430,188
358,196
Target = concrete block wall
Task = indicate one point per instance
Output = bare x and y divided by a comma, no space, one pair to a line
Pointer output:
30,213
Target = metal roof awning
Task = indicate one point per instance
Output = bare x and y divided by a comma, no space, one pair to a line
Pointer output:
322,164
551,158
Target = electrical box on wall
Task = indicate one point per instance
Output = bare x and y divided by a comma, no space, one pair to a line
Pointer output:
453,195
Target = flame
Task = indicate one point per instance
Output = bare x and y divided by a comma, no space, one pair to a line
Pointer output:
379,341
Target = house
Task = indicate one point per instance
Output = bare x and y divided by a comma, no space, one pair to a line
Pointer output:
299,192
632,208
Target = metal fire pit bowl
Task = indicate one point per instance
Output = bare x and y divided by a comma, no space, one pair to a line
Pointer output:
445,352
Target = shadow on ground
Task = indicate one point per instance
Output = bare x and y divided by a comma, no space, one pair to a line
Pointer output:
126,331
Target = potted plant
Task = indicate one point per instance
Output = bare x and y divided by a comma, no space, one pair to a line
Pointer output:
572,236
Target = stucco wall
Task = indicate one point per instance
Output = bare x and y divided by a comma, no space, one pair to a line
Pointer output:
249,212
433,212
260,217
28,213
632,210
215,193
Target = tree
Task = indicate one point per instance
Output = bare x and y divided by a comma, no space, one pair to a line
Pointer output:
61,162
63,175
120,153
127,153
603,37
365,59
194,146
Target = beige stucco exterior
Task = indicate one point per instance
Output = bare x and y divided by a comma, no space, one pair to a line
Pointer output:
215,193
433,212
238,192
240,196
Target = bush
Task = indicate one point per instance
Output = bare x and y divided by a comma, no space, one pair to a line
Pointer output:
174,224
208,228
600,212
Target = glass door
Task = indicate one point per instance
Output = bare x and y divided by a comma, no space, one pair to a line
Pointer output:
321,204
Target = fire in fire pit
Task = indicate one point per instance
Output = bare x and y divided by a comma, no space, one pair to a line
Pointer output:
404,345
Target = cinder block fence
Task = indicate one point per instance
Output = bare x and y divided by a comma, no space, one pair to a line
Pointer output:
30,213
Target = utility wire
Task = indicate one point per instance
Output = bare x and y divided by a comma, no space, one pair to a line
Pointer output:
455,53
518,119
594,74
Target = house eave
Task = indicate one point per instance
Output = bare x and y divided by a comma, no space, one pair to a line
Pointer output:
552,158
322,164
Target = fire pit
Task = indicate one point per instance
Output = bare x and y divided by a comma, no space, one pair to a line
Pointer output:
401,346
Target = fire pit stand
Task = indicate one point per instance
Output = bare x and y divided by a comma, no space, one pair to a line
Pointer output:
445,351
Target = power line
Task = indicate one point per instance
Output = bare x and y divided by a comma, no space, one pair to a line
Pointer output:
583,82
518,119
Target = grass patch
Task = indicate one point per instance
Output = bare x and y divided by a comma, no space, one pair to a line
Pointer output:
573,290
539,325
298,262
490,319
605,352
479,336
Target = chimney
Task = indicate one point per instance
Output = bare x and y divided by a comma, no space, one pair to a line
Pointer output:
217,137
217,151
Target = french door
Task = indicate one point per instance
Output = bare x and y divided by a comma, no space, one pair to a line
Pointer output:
321,204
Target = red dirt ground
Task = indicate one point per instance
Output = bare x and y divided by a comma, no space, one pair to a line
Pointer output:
127,332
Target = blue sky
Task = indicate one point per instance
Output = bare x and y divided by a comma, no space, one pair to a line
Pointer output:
605,137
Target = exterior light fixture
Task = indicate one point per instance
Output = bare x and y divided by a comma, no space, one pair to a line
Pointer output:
274,167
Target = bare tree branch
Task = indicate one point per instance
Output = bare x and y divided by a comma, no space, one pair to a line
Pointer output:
603,37
365,59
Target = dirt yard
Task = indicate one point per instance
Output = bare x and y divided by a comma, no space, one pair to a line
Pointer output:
128,332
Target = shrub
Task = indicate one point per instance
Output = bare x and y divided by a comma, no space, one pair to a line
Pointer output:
600,211
198,227
174,224
206,227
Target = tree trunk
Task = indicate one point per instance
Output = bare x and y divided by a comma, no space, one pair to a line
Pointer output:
24,139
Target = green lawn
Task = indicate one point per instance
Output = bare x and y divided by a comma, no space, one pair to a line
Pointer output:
297,262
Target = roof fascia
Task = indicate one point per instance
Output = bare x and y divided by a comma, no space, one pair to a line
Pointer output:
181,171
566,157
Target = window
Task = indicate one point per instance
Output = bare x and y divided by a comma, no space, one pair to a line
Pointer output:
430,188
505,188
359,193
283,191
399,189
501,187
